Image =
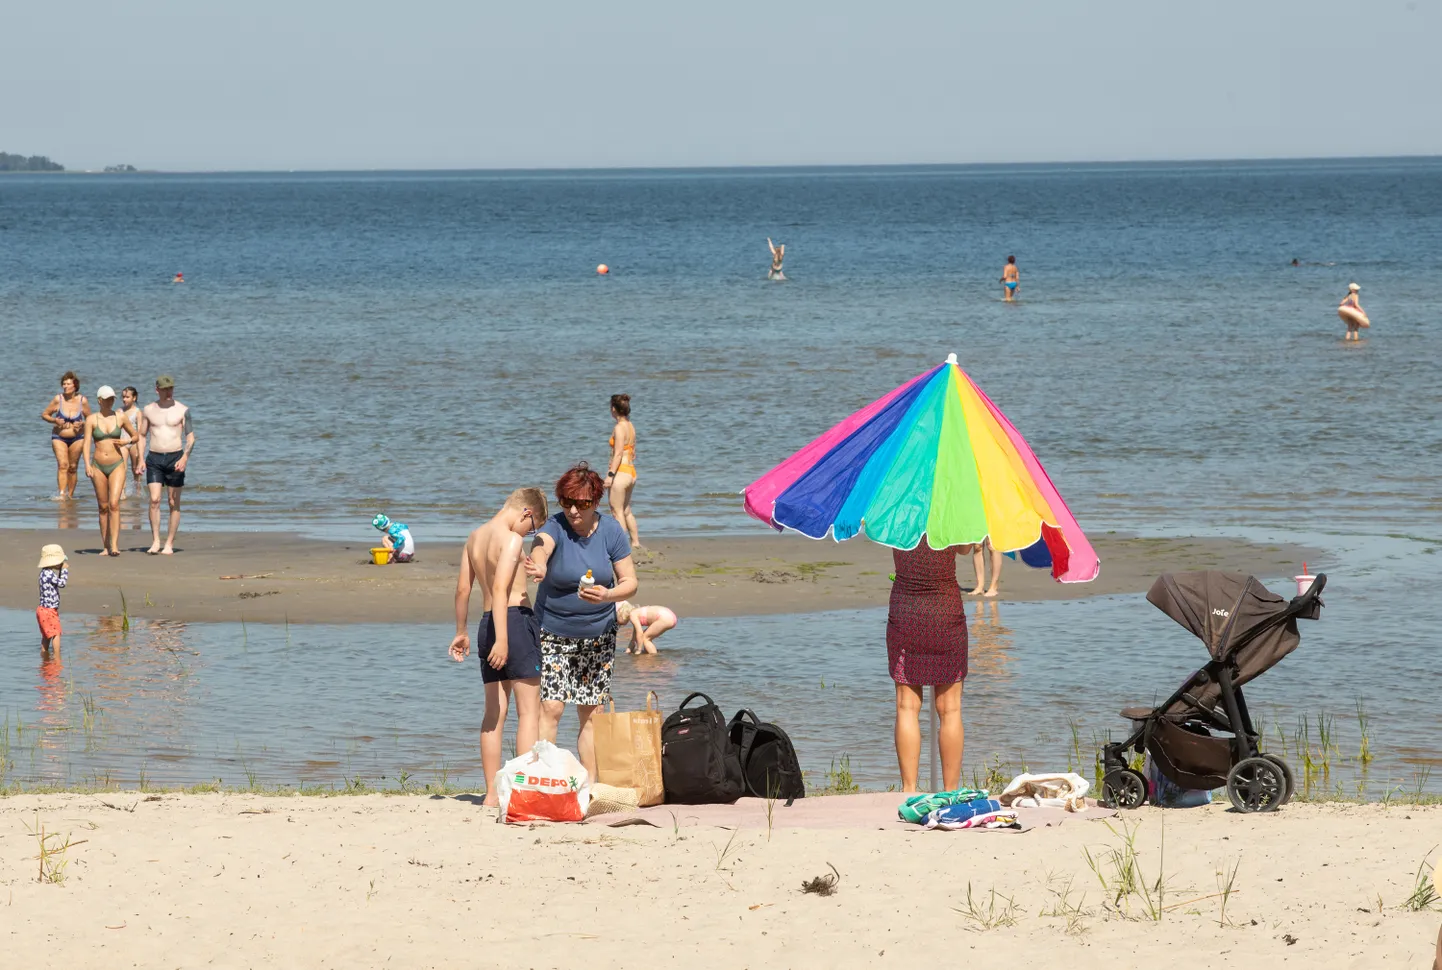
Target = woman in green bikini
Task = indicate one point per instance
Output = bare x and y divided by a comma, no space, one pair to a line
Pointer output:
105,464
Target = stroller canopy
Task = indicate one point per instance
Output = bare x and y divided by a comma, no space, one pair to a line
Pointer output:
1237,617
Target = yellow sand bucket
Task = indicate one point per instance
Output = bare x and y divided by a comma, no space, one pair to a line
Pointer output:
380,555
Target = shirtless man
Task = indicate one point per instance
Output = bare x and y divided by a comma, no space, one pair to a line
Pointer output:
166,439
510,652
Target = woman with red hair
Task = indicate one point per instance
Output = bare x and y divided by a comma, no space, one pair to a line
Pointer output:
582,566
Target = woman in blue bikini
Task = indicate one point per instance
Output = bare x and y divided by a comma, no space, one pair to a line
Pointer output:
66,413
1010,278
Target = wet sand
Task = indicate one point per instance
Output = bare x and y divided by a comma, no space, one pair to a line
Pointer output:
418,881
286,578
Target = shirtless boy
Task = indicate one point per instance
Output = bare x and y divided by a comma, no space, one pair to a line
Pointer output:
166,439
510,652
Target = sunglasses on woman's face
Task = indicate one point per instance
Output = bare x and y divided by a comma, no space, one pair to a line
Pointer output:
579,504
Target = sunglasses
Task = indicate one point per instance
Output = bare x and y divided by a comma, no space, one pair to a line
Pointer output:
579,504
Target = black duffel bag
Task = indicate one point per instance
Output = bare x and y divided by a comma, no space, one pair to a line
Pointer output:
699,764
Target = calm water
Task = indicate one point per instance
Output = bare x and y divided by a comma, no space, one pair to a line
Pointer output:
423,343
323,704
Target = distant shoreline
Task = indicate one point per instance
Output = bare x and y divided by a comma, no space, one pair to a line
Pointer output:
762,169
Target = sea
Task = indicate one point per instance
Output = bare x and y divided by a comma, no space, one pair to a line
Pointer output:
420,343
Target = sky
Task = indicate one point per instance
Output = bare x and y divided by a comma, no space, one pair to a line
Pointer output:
455,84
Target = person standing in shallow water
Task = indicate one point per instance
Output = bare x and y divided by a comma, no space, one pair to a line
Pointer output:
1349,310
778,256
105,463
926,646
621,478
67,412
166,439
130,410
1010,279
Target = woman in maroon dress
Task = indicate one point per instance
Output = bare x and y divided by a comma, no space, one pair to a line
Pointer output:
926,647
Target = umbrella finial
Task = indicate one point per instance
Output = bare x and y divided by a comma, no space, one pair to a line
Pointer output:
951,359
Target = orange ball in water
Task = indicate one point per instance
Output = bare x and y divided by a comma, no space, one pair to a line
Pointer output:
603,269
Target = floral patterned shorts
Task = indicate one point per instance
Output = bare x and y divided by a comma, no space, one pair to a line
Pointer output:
577,670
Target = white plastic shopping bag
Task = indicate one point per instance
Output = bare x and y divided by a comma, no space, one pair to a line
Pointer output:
545,785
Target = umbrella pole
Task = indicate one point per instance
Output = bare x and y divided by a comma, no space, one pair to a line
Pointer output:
935,748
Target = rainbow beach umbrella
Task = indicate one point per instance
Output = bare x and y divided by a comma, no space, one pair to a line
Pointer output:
936,458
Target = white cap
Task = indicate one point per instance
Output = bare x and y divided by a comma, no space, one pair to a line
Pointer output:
1353,286
106,391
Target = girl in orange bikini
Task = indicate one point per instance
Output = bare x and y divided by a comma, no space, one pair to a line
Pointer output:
621,478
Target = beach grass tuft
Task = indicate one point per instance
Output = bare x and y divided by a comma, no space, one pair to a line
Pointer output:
996,911
1118,869
1226,886
54,852
724,852
1364,728
839,780
1424,889
1062,906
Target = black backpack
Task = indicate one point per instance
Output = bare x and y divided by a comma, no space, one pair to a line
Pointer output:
699,765
768,758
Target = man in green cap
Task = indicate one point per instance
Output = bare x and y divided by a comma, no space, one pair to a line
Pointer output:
166,439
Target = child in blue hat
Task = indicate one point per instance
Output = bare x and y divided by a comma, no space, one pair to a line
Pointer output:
397,538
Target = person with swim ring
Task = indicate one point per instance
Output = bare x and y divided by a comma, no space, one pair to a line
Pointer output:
1352,314
1010,278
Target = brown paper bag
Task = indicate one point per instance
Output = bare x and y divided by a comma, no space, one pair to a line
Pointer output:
628,750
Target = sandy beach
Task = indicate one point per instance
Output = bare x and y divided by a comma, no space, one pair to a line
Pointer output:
431,881
275,577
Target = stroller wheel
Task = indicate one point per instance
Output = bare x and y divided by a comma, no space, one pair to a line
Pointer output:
1124,788
1256,785
1286,775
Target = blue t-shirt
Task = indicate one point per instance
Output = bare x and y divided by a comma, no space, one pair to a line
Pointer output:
562,610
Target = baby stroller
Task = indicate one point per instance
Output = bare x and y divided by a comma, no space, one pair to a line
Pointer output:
1247,629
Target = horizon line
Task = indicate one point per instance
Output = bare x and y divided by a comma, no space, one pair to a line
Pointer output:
846,166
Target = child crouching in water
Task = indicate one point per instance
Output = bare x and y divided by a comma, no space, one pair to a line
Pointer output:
54,574
647,623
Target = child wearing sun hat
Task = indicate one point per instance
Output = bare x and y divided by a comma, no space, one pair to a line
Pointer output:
397,538
54,574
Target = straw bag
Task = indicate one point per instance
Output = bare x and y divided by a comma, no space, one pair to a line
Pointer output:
628,750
